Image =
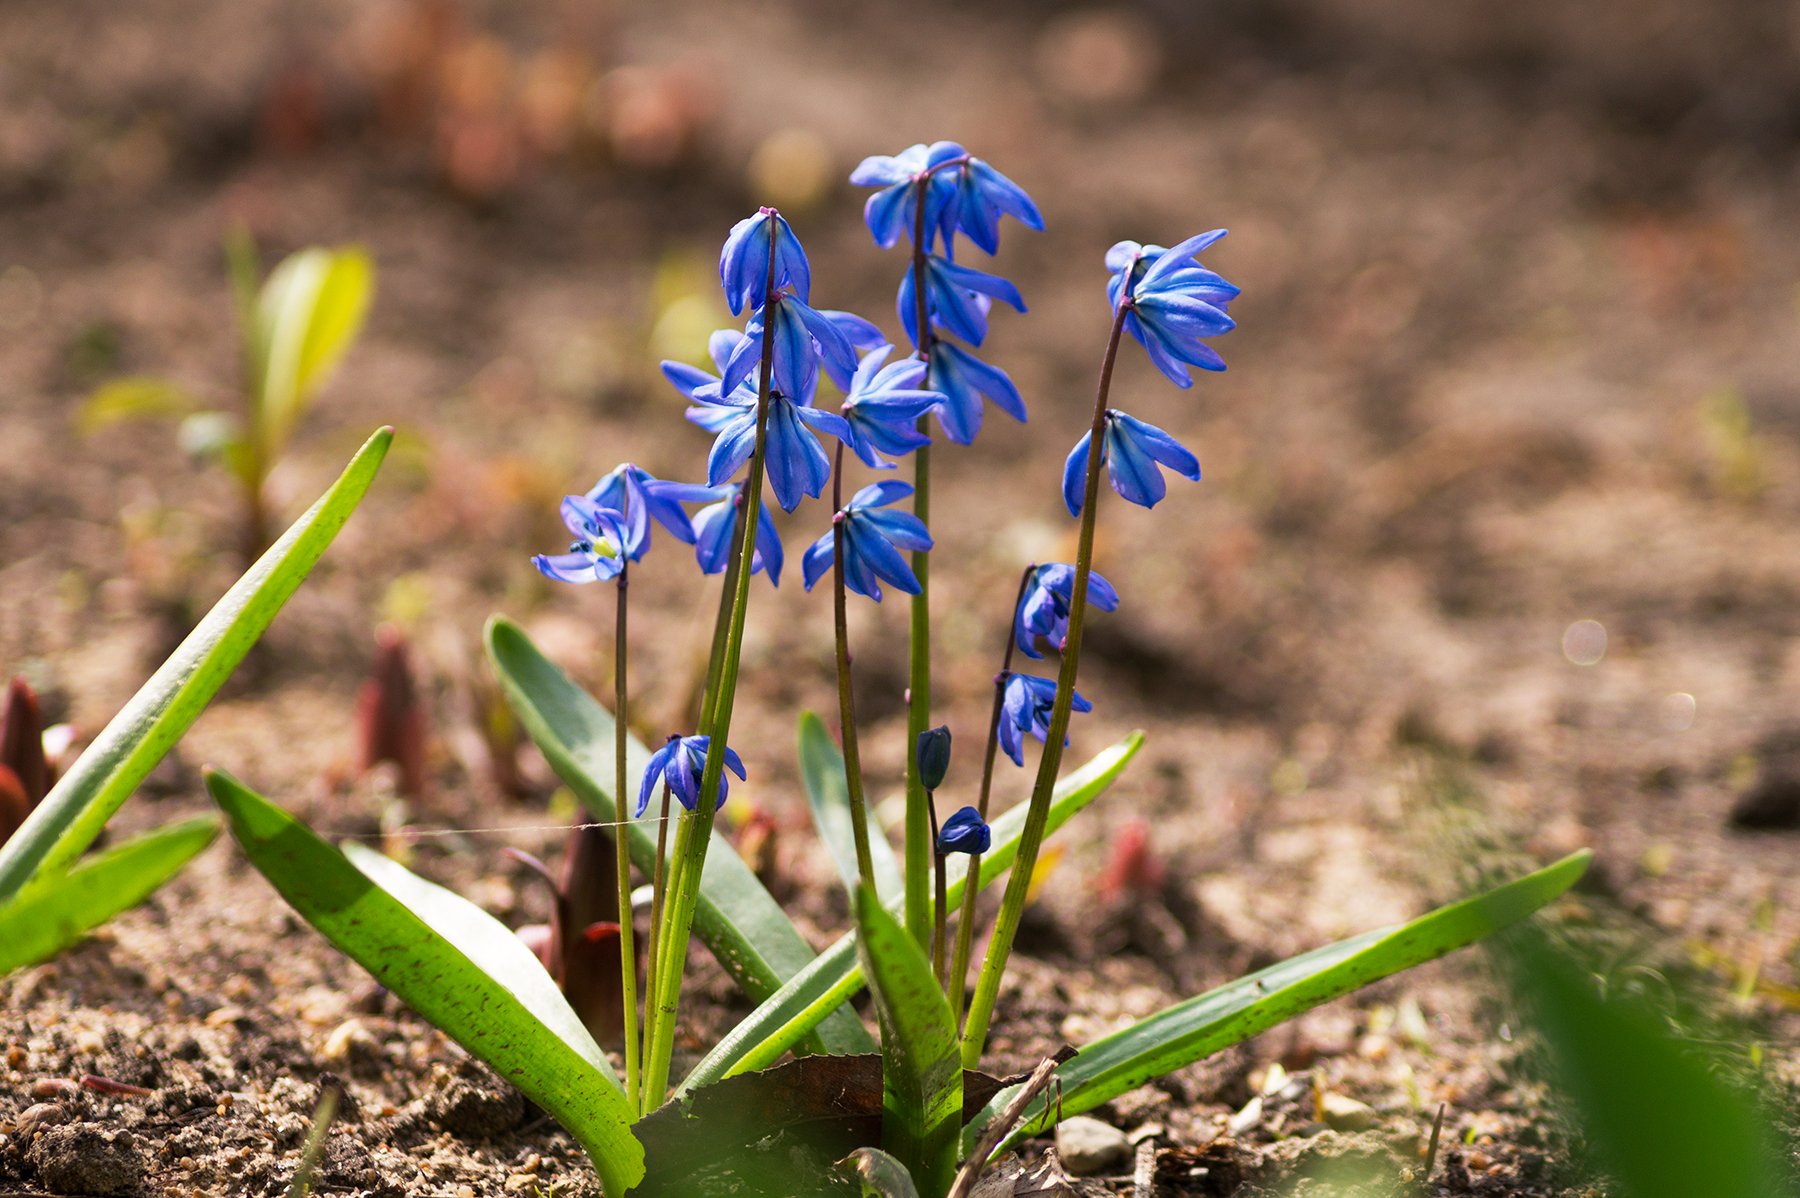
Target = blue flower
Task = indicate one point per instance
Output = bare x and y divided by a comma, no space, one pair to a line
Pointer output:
1028,700
884,405
903,178
1173,303
681,763
1044,607
983,195
956,299
872,543
642,497
1131,451
964,379
794,459
802,336
744,261
597,553
714,527
964,832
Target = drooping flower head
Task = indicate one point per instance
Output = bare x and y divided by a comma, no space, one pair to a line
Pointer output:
1026,708
793,458
1044,607
884,405
960,192
964,832
957,299
964,379
1174,303
715,527
802,336
598,551
681,763
643,497
872,543
744,261
1132,451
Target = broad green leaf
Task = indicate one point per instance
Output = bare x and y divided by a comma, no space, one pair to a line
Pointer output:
57,910
1195,1029
1655,1111
310,310
921,1054
736,918
452,963
828,794
135,398
73,813
880,1175
834,976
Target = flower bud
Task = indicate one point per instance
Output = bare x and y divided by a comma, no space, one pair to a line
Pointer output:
934,756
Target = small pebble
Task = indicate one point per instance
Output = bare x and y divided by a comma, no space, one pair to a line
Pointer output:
1088,1146
1343,1113
53,1087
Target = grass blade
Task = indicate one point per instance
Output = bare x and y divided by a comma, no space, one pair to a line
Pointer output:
1192,1030
828,794
834,976
59,909
451,962
736,918
73,813
921,1054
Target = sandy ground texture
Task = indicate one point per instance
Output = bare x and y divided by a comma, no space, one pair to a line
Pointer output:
1501,488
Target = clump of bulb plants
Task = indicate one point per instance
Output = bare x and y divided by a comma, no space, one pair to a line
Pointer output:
898,1104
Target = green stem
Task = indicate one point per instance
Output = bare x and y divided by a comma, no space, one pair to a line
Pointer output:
658,880
853,776
1012,904
722,622
622,814
918,672
940,907
695,834
965,924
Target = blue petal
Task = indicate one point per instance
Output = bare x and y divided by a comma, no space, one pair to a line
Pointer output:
768,554
885,213
686,378
720,345
1134,474
653,770
733,448
713,527
1075,474
1176,257
901,528
880,494
743,263
881,556
791,266
793,458
817,560
1159,445
1004,194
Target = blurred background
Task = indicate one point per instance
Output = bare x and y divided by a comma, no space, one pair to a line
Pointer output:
1504,475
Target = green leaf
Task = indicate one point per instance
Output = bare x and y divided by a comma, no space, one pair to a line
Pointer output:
73,813
135,398
1193,1030
59,909
1657,1113
880,1175
451,962
736,918
921,1055
828,794
309,312
834,976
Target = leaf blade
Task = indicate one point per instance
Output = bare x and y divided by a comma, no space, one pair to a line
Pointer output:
496,1020
736,917
828,796
309,312
56,911
1230,1014
148,726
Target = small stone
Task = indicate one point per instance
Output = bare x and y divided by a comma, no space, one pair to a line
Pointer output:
1248,1117
346,1038
53,1087
36,1117
1088,1146
84,1158
1343,1113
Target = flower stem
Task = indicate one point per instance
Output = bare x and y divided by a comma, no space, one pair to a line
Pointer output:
621,813
918,672
939,913
1018,884
695,833
859,814
965,924
658,880
722,622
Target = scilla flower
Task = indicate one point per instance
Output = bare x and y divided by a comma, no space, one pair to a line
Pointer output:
716,525
956,299
1044,607
801,335
642,497
983,195
597,553
744,261
681,763
795,461
964,379
915,172
1028,699
1131,451
872,543
884,405
1174,303
964,832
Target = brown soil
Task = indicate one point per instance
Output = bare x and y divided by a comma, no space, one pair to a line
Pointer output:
1517,349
